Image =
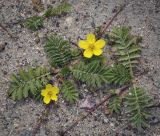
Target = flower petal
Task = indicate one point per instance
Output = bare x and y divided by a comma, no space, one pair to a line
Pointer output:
44,92
97,52
88,53
55,90
83,44
54,97
46,99
100,43
48,86
91,39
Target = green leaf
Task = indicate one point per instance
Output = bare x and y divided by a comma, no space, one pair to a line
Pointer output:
14,95
34,23
93,74
62,8
101,59
69,92
19,94
58,51
128,52
23,74
15,79
136,102
25,91
65,72
118,74
28,83
115,104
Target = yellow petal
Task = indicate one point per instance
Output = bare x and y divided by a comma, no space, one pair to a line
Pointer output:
83,44
97,52
44,92
54,97
100,43
48,86
46,99
88,53
55,90
91,39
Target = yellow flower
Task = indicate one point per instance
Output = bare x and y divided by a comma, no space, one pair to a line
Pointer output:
91,46
50,93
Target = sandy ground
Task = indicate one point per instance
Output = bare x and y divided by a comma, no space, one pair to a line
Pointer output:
18,118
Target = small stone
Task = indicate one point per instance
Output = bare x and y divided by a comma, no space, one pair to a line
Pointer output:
105,120
69,21
16,125
22,15
2,46
42,132
85,90
37,40
111,124
57,119
83,85
40,35
29,128
107,112
41,55
2,109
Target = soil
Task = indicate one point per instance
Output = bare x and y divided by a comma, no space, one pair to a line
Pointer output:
25,48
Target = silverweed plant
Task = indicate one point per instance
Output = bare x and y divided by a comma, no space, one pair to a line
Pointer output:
86,63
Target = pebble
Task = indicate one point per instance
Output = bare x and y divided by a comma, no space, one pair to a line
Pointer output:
105,120
2,109
16,125
2,46
41,35
42,132
69,21
85,90
37,40
111,124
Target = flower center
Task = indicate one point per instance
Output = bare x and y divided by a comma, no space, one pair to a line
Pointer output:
50,93
91,47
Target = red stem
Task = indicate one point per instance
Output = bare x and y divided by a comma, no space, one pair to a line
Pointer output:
89,113
62,133
104,28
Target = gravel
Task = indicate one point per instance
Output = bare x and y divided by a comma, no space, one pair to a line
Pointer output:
26,49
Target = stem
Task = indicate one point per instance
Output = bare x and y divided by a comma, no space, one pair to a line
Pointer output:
132,76
62,133
130,67
38,77
104,28
42,119
49,73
